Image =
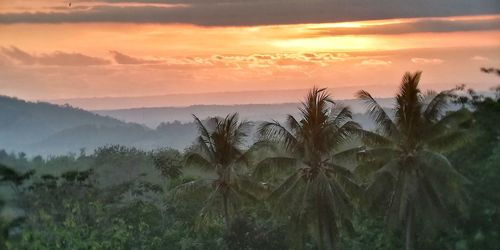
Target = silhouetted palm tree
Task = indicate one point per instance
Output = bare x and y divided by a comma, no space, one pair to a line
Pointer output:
219,151
411,179
315,191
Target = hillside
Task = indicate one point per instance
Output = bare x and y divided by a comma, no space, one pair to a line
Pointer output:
49,129
152,117
43,128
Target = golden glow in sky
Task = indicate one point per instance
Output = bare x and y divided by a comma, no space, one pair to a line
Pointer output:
49,51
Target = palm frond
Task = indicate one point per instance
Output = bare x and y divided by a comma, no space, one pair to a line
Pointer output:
449,141
204,134
370,138
192,187
435,108
196,160
437,166
449,122
379,154
341,115
348,155
275,166
275,132
378,114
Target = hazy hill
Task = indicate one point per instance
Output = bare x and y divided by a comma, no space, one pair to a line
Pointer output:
43,128
49,129
152,117
24,122
210,98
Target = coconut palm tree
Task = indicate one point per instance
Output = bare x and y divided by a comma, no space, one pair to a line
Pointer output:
411,180
219,150
314,195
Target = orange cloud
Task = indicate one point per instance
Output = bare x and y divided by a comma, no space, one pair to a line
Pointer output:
432,61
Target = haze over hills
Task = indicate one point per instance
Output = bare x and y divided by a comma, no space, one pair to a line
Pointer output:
152,117
213,98
49,129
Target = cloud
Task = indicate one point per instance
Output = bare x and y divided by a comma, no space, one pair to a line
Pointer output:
19,55
479,58
376,62
415,26
237,61
58,58
432,61
248,13
121,58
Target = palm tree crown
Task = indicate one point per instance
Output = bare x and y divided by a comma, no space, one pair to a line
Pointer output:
219,150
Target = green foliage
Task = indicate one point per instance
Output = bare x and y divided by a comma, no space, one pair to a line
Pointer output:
169,163
371,233
246,234
480,162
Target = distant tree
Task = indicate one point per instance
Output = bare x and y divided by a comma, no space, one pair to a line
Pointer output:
491,70
412,181
9,175
496,89
315,191
219,151
168,162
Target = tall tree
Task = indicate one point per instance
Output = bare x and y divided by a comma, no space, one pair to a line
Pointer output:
412,181
315,191
219,150
15,179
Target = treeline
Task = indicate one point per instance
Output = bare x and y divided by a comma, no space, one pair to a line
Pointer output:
424,178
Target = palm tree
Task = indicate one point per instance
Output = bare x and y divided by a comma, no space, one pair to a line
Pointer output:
219,151
314,193
411,179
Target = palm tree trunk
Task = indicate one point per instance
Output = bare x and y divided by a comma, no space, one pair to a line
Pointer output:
320,231
324,229
226,212
329,241
409,229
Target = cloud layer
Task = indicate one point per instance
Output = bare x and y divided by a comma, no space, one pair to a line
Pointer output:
57,58
248,13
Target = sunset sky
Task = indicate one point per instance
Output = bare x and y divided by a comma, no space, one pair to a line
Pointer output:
49,50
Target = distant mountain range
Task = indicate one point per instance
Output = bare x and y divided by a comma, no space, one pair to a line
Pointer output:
152,117
49,129
213,98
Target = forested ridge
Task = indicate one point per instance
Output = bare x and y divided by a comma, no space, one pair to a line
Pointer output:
425,177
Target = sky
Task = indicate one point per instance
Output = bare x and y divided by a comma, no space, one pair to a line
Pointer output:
60,49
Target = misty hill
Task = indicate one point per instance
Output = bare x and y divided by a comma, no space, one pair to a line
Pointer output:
22,122
43,128
210,98
49,129
152,117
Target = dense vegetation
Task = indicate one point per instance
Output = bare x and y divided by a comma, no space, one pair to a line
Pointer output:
424,178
